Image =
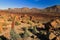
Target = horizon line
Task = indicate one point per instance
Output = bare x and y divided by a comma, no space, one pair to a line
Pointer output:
27,7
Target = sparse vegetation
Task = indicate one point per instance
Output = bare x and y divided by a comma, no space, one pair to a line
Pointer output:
17,23
38,27
9,19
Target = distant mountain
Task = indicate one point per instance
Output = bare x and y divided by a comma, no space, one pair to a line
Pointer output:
55,8
47,13
25,10
52,9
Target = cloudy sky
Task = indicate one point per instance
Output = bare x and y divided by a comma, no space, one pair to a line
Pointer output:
27,3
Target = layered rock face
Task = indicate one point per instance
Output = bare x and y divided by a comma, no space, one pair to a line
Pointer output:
55,8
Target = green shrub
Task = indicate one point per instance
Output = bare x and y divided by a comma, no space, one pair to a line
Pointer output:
17,23
4,24
0,39
9,19
14,35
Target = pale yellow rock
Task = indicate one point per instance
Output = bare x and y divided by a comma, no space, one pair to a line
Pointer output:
58,38
51,36
1,30
54,24
40,25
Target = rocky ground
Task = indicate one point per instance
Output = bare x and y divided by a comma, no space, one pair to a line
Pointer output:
16,27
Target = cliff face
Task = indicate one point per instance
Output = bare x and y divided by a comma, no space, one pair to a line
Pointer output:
55,8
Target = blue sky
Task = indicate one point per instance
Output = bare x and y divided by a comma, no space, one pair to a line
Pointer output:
27,3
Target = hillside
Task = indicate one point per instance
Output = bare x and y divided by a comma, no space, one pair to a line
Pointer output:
55,8
20,21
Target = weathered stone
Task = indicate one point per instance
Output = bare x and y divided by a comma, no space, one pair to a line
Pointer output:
51,36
